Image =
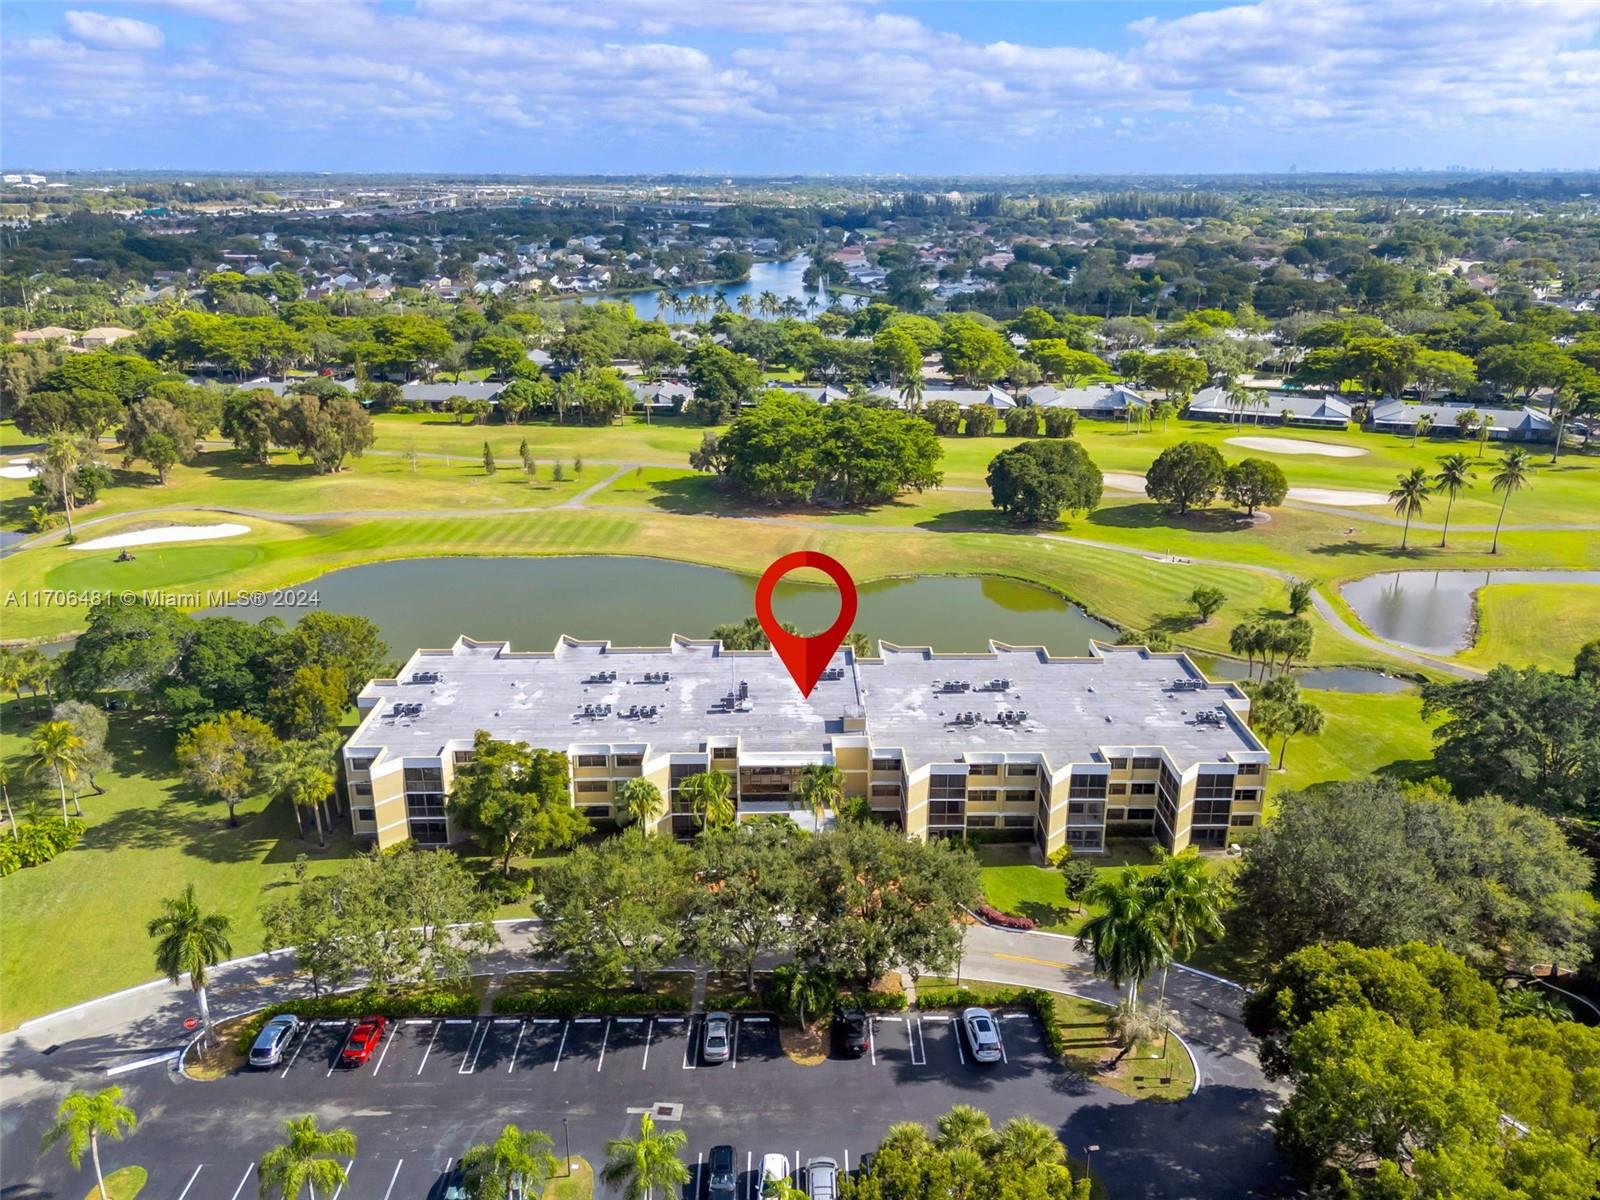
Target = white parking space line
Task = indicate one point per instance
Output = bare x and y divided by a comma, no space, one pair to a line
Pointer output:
338,1058
872,1040
748,1170
396,1175
305,1036
511,1066
563,1045
955,1032
587,1020
242,1181
846,1166
919,1048
733,1059
388,1040
470,1064
688,1048
190,1184
1003,1057
436,1027
348,1167
604,1038
419,1021
649,1032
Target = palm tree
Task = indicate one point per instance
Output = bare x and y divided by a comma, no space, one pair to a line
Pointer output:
5,794
1409,497
711,797
1186,902
64,456
1423,424
821,788
769,304
1452,478
523,1159
638,1166
1028,1143
80,1122
1515,468
1128,945
303,774
304,1161
640,800
57,748
745,303
964,1128
911,391
666,301
190,942
1484,426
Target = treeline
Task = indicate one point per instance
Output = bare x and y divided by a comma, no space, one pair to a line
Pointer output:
1142,206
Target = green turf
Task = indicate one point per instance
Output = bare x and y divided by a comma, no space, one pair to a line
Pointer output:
1535,624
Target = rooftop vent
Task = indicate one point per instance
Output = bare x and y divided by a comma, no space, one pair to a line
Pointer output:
656,676
425,677
602,677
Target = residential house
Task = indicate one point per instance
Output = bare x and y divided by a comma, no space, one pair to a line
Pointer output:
1505,424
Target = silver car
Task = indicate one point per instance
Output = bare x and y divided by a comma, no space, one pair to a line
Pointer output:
274,1038
717,1042
983,1035
822,1179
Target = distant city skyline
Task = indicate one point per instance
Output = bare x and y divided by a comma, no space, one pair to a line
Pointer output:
836,86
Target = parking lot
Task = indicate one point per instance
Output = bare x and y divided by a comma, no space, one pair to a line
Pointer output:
435,1086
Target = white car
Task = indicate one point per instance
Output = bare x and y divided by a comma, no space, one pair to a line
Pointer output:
774,1173
983,1035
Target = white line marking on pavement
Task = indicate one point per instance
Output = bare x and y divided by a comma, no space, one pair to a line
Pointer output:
914,1037
733,1059
429,1050
955,1032
669,1020
169,1056
587,1020
846,1164
508,1020
544,1020
628,1020
757,1020
688,1048
243,1181
872,1040
561,1047
420,1021
512,1065
190,1184
750,1173
343,1046
604,1038
396,1175
304,1038
648,1033
348,1167
1010,1016
387,1042
1003,1057
457,1021
470,1065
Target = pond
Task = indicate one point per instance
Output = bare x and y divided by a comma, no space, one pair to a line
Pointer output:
783,279
1434,611
530,602
1327,679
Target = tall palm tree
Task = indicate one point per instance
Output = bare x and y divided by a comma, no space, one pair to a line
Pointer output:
666,301
81,1121
519,1158
304,1162
5,794
964,1128
1186,902
1409,496
1422,425
640,800
1027,1143
769,304
745,303
57,748
637,1166
821,788
1127,943
190,942
63,458
1515,468
711,797
1452,478
303,774
912,390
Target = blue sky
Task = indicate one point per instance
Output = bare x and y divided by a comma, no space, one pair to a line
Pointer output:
844,86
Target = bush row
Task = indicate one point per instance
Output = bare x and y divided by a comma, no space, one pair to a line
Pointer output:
991,915
452,999
37,843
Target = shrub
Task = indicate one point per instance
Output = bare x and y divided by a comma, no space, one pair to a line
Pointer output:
454,998
39,842
993,916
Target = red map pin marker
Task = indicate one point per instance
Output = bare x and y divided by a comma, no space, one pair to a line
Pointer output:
806,657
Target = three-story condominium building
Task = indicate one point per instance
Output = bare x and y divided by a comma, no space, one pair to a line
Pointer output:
1063,751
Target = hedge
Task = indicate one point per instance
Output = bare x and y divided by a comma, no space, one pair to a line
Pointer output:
37,843
991,915
454,999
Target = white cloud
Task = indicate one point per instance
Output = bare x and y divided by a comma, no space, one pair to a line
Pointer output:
114,33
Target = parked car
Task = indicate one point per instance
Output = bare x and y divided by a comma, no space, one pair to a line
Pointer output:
864,1167
717,1042
850,1030
774,1170
722,1180
453,1185
822,1179
983,1035
363,1040
275,1038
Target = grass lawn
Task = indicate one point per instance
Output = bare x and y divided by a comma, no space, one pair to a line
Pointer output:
578,1184
1365,735
122,1184
1535,624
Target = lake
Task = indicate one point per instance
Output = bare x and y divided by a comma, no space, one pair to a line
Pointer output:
530,602
783,279
1433,611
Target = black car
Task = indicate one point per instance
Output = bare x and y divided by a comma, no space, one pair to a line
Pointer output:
721,1181
850,1030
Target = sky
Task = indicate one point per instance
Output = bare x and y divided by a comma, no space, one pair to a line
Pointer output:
747,87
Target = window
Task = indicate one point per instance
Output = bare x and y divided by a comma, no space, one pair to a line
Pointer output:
365,814
1141,814
982,822
629,760
1117,789
886,764
947,786
1084,785
602,811
1211,812
593,785
886,789
1021,770
1017,821
424,779
1210,838
429,833
946,812
592,760
428,805
361,789
1088,839
1147,764
1243,821
361,764
1211,787
724,752
1249,768
1142,789
1243,796
461,756
1116,814
1119,764
984,769
985,796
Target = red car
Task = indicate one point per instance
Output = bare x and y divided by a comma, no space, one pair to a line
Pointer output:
363,1040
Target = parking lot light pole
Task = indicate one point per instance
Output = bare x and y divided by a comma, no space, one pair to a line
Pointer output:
1088,1156
566,1134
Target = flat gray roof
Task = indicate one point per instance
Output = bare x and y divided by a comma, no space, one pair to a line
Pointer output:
1121,697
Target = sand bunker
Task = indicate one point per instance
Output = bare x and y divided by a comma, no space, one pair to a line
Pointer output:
1124,481
19,468
1295,446
1341,497
162,533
